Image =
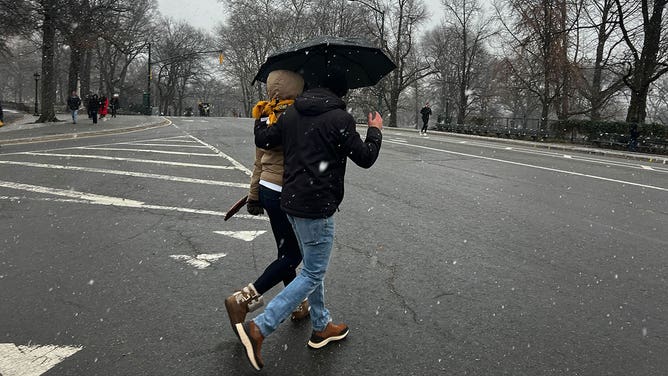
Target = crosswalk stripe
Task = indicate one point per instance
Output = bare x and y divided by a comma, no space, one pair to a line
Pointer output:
128,173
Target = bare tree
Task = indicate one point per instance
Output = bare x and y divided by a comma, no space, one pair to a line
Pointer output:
126,39
641,24
18,18
179,51
534,32
595,75
458,53
404,18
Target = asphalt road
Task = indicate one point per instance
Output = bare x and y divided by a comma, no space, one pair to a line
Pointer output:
452,257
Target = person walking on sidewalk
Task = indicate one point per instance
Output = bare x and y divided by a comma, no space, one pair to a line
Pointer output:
93,106
104,105
265,194
114,105
318,135
426,112
74,103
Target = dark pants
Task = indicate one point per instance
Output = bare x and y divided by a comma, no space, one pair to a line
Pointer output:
289,256
93,115
424,126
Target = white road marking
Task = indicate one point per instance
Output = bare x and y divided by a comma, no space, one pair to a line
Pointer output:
200,261
647,168
508,148
95,199
165,145
146,151
32,360
221,154
398,139
242,235
533,166
568,156
129,173
151,161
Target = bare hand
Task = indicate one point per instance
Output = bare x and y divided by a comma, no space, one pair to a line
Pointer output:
374,120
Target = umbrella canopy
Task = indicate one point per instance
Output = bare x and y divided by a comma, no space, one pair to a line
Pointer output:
363,64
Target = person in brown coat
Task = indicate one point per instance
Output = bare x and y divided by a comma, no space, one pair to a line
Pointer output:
265,194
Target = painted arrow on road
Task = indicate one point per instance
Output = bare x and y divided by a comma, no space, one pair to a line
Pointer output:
242,235
32,360
200,261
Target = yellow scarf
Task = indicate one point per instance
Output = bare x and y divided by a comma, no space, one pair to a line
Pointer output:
271,109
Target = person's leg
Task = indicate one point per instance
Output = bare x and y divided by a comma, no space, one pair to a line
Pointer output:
289,255
315,237
74,116
94,116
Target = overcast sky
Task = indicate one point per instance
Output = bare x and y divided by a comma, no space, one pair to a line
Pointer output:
206,14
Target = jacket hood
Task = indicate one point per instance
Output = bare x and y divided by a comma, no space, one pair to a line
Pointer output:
284,84
318,101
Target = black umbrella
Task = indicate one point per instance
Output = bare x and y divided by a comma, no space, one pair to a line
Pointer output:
363,64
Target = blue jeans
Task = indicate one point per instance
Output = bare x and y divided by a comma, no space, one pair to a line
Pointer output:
315,237
75,113
289,256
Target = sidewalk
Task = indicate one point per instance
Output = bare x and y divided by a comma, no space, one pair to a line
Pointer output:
25,130
653,158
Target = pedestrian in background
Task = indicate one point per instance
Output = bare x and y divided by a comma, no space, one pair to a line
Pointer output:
104,107
2,115
114,105
633,140
265,194
74,103
426,112
318,136
93,106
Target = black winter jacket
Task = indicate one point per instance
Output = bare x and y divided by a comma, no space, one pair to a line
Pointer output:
317,135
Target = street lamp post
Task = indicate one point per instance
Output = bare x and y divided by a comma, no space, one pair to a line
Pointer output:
147,95
382,39
36,75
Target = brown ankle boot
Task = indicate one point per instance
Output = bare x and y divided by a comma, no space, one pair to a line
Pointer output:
241,302
302,311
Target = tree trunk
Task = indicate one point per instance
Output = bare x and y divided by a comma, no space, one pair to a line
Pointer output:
394,99
75,68
644,71
48,113
638,107
544,114
87,62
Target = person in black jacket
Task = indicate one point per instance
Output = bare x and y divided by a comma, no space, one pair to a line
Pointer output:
93,106
73,103
426,112
318,136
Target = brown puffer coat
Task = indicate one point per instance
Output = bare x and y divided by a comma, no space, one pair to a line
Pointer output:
268,166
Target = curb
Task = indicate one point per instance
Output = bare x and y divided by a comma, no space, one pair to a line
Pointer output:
537,145
70,136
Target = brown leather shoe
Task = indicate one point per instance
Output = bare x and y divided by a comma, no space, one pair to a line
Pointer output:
332,332
251,338
302,311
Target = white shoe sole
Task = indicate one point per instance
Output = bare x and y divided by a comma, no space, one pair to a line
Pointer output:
324,343
245,340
